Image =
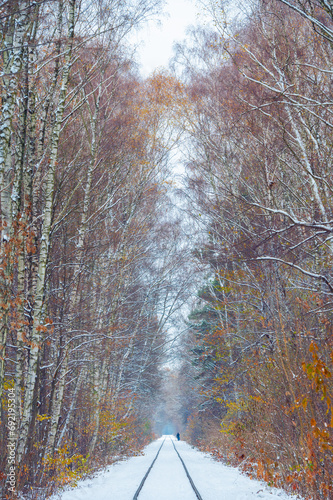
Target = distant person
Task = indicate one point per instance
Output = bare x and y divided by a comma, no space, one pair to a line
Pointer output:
178,436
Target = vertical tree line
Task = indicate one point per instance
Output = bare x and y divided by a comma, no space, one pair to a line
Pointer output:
260,188
87,270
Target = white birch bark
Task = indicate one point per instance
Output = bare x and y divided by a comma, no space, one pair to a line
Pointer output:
91,167
45,241
69,415
56,406
12,57
19,196
95,417
14,46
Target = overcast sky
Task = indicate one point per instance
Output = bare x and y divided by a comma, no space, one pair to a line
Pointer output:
156,40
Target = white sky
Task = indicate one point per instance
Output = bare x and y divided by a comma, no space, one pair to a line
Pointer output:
156,39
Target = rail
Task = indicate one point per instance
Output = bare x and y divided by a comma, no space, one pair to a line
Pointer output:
199,497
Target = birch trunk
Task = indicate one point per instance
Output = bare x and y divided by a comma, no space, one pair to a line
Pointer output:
45,242
96,405
82,375
91,167
19,211
56,406
14,46
12,64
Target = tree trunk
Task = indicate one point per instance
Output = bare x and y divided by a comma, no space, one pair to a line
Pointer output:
45,242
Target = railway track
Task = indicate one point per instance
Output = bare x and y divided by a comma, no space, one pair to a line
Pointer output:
141,485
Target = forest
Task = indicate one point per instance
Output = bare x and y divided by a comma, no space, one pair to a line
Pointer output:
133,297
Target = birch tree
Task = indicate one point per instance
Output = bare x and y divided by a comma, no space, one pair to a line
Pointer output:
79,172
259,179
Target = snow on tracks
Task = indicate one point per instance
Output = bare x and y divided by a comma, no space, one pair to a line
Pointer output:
217,481
146,475
167,479
197,494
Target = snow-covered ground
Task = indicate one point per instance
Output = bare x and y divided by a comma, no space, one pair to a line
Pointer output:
167,479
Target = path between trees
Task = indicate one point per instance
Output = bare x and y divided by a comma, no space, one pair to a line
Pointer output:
167,479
